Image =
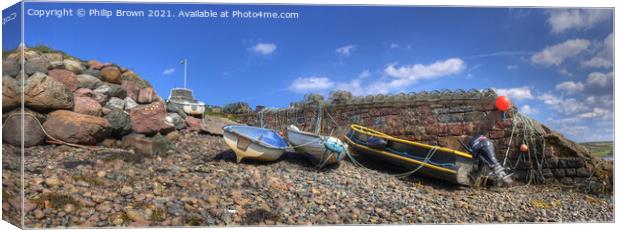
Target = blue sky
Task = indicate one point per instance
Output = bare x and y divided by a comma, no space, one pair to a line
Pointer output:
556,65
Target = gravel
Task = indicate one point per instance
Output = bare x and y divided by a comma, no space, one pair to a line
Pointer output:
199,183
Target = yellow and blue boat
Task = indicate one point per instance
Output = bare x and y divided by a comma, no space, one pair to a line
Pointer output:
433,161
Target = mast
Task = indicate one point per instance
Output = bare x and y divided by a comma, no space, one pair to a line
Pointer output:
184,62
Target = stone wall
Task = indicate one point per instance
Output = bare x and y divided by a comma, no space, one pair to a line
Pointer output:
442,118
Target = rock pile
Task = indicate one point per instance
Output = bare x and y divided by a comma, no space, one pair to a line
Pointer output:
80,102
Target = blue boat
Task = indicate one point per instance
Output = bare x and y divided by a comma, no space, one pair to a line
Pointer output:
254,143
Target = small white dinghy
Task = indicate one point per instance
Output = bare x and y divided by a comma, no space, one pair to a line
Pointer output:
322,150
254,143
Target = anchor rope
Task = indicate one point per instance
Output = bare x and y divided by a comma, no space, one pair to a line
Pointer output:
53,139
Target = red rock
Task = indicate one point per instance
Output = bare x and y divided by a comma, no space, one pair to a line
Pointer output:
45,93
86,105
65,77
132,89
85,92
76,128
111,74
147,95
193,124
150,119
94,64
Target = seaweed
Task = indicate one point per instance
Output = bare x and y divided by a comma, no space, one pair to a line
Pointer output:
55,200
93,180
258,216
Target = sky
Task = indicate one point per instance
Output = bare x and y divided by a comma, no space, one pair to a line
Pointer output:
556,65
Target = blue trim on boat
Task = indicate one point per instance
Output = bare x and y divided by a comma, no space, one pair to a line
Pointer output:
404,154
265,137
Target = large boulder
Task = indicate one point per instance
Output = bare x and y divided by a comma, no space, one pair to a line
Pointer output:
115,103
88,81
133,77
12,129
66,77
11,92
120,123
46,93
86,105
94,73
112,90
176,120
130,103
111,74
150,119
147,95
95,65
131,88
35,62
11,64
175,108
73,66
53,57
76,128
102,99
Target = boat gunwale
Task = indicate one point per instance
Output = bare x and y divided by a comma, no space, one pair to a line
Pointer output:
393,155
252,139
375,133
288,129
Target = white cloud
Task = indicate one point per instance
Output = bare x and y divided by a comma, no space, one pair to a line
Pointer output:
364,74
311,84
263,48
556,54
168,71
394,45
420,71
528,109
598,113
345,50
520,93
603,57
565,106
565,19
600,79
570,87
511,67
396,78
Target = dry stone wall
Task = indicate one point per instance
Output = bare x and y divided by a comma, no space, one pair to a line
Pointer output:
443,118
68,100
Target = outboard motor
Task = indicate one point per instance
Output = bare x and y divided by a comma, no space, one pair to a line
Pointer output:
482,148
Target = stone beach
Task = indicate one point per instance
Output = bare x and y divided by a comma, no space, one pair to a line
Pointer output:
199,183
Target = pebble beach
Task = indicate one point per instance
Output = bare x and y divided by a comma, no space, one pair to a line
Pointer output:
200,184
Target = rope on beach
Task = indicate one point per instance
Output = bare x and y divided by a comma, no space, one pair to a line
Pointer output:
52,139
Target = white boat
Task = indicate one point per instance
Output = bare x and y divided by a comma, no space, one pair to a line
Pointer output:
254,143
322,150
183,98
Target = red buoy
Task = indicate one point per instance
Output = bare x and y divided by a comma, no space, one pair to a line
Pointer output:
523,148
502,103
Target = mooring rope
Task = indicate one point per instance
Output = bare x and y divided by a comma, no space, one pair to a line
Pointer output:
52,139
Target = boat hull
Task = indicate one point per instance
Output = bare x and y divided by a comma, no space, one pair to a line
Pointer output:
247,148
313,146
432,161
